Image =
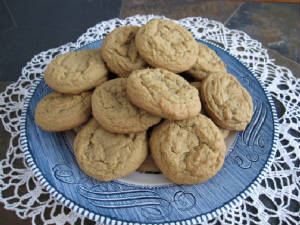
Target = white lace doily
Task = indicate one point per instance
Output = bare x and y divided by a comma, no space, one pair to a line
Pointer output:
277,198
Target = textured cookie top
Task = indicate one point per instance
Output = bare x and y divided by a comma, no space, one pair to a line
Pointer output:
75,72
224,132
119,51
165,44
226,101
57,112
115,113
207,62
163,93
107,156
188,151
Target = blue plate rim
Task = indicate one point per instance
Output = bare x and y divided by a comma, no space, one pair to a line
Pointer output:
109,220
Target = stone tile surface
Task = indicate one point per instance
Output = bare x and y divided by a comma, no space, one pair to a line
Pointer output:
46,24
276,25
6,21
218,10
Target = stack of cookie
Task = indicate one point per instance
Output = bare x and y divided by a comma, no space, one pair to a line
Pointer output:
150,118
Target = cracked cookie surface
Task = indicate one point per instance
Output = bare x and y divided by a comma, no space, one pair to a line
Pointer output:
226,101
75,72
188,151
224,132
107,156
163,93
166,44
207,62
115,113
120,53
58,112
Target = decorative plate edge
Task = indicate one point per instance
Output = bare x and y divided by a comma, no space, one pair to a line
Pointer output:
237,201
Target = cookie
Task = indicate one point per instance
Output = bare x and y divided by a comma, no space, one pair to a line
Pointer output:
224,132
207,62
165,44
149,166
115,113
120,53
226,101
163,93
188,151
107,156
59,112
75,72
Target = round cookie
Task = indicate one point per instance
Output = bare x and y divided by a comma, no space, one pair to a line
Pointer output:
149,165
59,112
165,44
75,72
207,62
115,113
107,156
120,53
224,132
226,101
163,93
188,151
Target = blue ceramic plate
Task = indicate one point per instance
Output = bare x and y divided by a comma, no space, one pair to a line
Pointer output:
150,198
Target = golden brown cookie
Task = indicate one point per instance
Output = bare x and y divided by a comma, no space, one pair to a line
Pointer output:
207,62
120,53
188,151
224,132
166,44
115,113
75,72
226,101
58,112
149,165
107,156
163,93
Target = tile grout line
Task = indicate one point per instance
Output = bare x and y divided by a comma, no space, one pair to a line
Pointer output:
232,14
10,13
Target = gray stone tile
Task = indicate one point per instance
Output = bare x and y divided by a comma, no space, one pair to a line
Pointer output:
6,21
213,9
276,25
46,24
